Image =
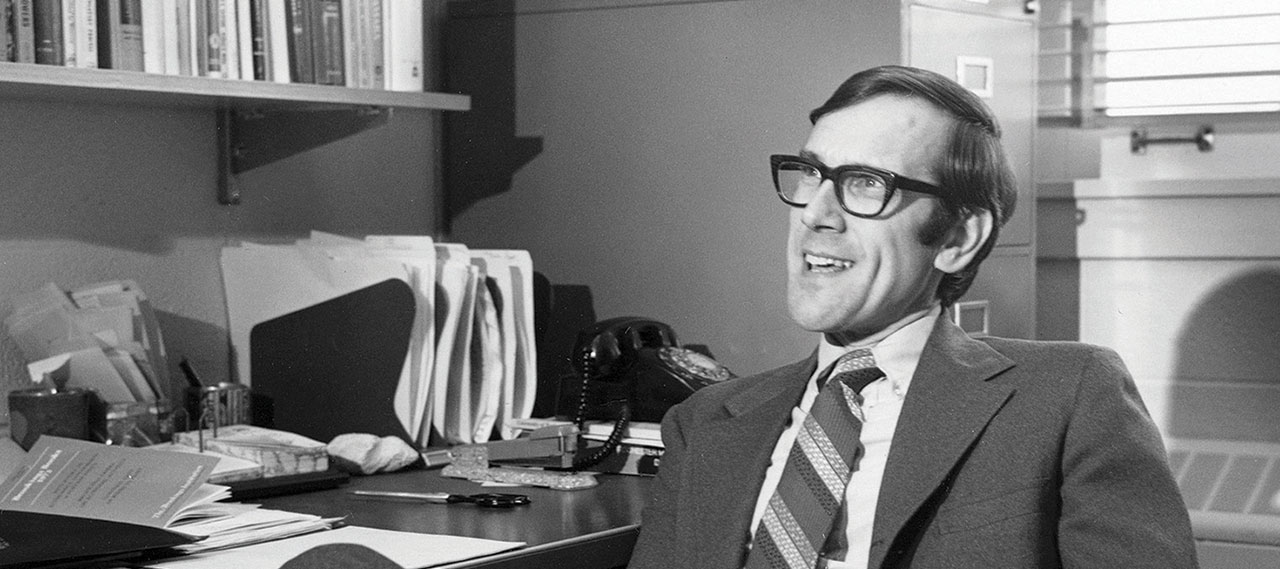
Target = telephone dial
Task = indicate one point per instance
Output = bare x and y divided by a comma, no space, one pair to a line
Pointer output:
633,369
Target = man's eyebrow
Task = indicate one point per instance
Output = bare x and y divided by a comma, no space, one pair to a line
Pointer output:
809,155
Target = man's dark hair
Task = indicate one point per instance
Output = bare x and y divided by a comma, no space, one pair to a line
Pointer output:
973,168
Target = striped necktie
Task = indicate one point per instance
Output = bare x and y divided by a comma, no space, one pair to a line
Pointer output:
804,508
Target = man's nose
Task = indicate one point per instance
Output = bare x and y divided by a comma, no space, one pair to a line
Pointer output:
823,213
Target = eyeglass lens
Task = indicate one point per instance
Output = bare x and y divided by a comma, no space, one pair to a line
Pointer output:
862,193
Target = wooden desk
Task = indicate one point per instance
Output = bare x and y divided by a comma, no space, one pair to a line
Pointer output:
593,528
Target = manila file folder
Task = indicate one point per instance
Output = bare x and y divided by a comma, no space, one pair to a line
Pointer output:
333,367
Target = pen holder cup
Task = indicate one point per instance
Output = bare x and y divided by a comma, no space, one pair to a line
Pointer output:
139,424
218,405
42,411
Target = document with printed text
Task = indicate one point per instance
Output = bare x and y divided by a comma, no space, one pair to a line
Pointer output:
90,480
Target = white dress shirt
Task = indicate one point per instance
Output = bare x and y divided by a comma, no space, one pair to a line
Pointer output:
897,356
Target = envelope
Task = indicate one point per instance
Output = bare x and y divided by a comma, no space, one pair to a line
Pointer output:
487,366
414,396
451,394
512,270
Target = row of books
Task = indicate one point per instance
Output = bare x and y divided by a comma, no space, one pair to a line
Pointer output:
366,44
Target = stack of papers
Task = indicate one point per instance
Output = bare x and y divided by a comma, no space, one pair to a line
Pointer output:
279,453
103,337
471,362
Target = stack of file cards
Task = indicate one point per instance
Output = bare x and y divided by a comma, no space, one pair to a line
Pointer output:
103,337
280,453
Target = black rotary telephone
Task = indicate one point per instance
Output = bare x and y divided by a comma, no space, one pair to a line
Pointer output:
633,369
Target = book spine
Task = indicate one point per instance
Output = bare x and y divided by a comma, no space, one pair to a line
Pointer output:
120,34
172,37
649,431
69,16
258,25
351,41
230,40
23,32
131,34
87,34
153,39
47,31
326,43
6,31
300,58
631,459
278,40
244,39
211,56
374,41
109,34
187,38
7,41
403,43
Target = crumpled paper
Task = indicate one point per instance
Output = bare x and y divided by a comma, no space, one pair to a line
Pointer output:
363,453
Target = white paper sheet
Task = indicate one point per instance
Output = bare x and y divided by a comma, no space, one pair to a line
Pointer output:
266,281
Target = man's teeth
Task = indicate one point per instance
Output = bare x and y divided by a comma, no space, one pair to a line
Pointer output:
826,263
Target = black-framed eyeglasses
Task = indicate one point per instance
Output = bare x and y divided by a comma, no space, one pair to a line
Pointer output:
864,191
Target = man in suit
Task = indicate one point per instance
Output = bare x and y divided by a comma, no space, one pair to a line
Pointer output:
964,452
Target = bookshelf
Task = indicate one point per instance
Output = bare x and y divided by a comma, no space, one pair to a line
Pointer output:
258,122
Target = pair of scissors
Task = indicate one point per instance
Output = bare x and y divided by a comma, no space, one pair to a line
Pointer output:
488,500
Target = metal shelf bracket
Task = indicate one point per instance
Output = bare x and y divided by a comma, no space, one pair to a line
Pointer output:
248,139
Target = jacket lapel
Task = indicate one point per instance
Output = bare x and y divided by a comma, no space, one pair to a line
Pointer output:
948,405
738,446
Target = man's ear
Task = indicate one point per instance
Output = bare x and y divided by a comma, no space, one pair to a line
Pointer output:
964,241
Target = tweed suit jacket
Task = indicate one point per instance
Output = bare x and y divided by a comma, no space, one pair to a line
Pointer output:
1008,453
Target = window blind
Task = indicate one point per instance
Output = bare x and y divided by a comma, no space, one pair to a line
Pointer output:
1104,60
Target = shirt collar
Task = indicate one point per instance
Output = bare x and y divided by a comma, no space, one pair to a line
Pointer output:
896,355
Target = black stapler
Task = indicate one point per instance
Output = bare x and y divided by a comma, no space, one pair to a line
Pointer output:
552,446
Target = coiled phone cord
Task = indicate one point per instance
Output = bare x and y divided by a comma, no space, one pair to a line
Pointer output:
588,366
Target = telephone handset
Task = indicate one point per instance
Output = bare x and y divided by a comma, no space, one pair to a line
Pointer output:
633,369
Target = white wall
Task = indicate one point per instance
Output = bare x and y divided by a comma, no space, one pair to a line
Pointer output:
1178,265
652,185
96,192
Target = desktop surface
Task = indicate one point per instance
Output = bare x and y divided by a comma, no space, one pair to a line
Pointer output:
591,528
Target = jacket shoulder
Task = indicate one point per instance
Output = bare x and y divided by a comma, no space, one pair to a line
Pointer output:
771,380
1062,353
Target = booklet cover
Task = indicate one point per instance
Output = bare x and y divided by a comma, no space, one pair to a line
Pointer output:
85,479
122,502
114,500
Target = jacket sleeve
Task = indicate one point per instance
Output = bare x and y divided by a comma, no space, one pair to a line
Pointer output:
658,520
1120,504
